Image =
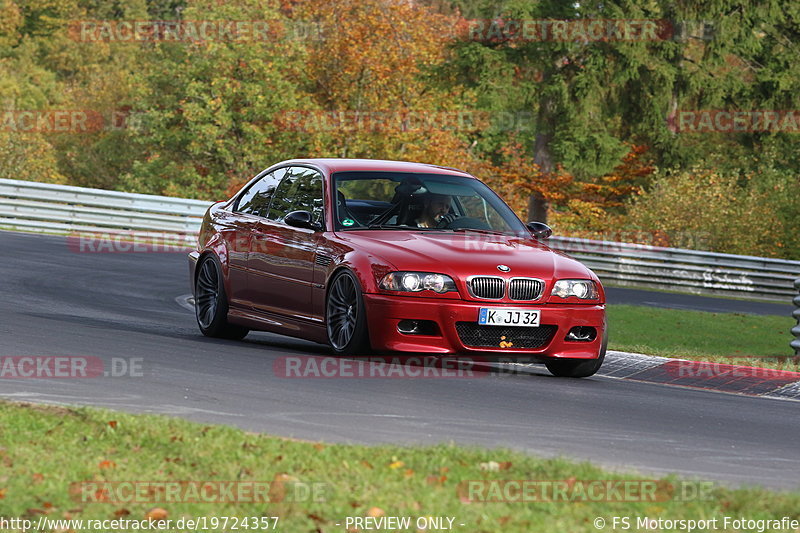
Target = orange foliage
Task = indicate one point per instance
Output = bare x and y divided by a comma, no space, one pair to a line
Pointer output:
625,180
369,66
371,52
517,177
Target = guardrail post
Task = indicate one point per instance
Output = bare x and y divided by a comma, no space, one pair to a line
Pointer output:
796,315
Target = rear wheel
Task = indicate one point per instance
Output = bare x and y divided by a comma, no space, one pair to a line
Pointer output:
578,368
211,303
345,314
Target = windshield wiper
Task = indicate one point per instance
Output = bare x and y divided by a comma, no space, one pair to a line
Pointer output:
485,231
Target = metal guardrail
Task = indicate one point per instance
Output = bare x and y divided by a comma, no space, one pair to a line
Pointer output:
690,271
796,314
49,208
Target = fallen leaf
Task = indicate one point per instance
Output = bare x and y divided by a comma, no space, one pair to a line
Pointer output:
435,480
121,512
2,493
375,512
107,464
319,447
156,514
37,478
505,465
113,424
396,464
408,472
277,489
367,464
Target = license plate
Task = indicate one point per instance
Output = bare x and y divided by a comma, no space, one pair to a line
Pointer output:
505,316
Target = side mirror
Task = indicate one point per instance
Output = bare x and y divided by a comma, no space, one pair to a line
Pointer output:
539,230
301,219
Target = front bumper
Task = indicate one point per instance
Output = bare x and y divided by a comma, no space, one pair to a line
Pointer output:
384,312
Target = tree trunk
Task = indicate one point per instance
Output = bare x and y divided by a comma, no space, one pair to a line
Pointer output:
537,205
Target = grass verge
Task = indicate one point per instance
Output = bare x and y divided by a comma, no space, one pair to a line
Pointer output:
45,450
739,339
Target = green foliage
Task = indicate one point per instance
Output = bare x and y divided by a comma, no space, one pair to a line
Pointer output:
724,212
197,119
54,457
28,157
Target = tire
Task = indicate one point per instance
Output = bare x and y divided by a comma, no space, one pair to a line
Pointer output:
211,302
345,316
578,368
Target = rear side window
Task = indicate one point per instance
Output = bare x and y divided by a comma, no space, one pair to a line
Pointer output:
256,199
300,189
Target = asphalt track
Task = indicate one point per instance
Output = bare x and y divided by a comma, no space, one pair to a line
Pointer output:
56,302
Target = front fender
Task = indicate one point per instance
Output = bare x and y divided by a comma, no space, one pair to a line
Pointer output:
368,268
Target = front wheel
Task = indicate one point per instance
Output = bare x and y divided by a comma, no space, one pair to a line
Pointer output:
345,316
578,368
211,303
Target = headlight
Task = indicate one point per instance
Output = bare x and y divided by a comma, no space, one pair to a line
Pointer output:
417,281
584,289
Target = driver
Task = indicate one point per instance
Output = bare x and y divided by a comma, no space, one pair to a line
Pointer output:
434,207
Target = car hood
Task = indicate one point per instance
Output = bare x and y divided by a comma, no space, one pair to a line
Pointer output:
466,254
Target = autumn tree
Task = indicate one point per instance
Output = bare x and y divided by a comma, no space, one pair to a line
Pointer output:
370,71
209,107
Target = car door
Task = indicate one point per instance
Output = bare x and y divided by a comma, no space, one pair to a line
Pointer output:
281,260
248,209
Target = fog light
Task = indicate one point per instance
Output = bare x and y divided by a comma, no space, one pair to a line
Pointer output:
417,327
582,334
409,327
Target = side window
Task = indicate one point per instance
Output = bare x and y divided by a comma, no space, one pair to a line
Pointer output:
309,194
282,199
256,199
300,189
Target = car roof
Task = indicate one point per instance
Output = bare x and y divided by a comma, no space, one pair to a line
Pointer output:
331,165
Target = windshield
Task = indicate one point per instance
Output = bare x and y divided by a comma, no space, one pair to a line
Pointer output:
399,200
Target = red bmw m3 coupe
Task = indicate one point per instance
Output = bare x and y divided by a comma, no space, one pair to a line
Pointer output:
391,256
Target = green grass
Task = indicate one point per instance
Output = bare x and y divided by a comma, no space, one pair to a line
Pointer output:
721,337
43,450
